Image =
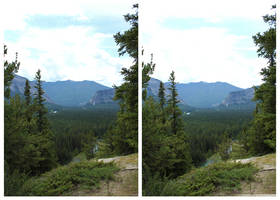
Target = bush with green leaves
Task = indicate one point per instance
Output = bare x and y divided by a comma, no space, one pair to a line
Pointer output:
223,176
86,175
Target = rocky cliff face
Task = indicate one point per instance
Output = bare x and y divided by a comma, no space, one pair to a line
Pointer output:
239,97
103,97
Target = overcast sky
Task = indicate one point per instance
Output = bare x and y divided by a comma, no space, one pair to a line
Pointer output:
67,40
204,40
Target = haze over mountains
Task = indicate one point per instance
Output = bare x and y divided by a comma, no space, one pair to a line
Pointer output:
65,93
90,93
205,95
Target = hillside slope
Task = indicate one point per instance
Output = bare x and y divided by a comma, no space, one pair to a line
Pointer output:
265,179
116,176
255,176
125,182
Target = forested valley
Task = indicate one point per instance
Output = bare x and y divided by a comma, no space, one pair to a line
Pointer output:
53,150
191,152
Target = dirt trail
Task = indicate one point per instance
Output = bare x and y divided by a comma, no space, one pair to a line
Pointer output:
126,180
265,179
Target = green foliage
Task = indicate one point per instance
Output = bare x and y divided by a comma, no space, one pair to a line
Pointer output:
164,155
27,150
29,112
171,147
13,182
173,108
207,180
147,70
72,127
89,144
42,122
205,128
223,147
153,184
64,179
9,72
27,93
261,136
125,131
162,101
128,41
239,151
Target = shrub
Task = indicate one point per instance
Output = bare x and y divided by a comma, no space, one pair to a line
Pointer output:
57,182
206,180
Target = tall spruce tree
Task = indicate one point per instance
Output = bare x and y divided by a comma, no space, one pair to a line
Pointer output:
175,112
262,133
45,139
125,132
162,100
39,100
161,95
27,93
29,106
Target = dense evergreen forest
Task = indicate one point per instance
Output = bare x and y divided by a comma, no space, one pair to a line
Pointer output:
39,137
174,142
78,130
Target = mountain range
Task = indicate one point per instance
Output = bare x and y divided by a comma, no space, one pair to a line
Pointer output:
90,93
65,93
203,94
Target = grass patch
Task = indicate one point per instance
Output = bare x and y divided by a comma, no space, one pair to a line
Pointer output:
86,175
222,176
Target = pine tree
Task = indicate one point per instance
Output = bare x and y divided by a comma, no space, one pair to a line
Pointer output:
161,95
9,72
175,112
45,140
262,133
162,101
27,93
125,133
29,106
165,155
39,100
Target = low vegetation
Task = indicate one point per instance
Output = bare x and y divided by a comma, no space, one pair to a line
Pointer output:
203,181
86,175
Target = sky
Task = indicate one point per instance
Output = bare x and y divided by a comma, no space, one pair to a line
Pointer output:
67,40
204,40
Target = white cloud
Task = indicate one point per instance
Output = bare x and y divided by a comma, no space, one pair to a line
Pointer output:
207,53
73,52
70,53
15,12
